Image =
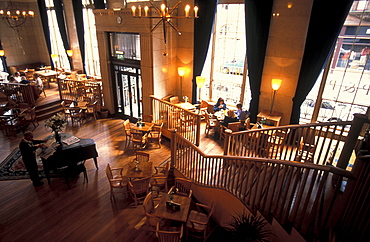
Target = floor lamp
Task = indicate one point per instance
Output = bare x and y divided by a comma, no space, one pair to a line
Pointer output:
275,84
200,83
181,71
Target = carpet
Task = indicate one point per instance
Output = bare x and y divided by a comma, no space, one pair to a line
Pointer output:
13,168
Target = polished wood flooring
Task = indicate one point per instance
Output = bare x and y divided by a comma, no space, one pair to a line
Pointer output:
85,212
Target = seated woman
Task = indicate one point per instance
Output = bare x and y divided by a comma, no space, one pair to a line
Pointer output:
230,118
220,105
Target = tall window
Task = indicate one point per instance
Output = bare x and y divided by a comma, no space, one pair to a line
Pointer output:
346,90
225,64
57,46
92,63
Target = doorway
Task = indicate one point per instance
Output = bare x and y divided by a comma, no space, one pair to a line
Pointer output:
128,99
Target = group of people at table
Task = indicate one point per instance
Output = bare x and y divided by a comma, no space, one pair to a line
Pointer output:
226,116
22,79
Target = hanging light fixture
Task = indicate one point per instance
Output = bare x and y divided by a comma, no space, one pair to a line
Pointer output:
165,16
14,17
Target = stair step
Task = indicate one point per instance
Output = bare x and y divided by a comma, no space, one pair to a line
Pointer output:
47,115
47,110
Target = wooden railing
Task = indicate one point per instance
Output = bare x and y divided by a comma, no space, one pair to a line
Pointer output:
20,93
319,143
69,90
187,123
308,196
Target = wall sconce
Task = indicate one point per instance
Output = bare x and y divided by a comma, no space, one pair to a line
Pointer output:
2,52
290,5
275,84
200,83
181,71
70,53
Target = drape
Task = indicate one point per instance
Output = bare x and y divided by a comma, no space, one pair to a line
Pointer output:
45,25
324,28
202,34
257,24
77,10
99,4
59,12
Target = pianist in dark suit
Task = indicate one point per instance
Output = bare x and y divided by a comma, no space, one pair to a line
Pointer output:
28,146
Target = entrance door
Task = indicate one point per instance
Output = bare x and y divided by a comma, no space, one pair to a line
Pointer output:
128,91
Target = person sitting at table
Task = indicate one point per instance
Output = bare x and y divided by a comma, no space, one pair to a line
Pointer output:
38,82
17,76
28,147
241,114
230,118
220,105
24,80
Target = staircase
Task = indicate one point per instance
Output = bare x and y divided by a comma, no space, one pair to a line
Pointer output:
46,110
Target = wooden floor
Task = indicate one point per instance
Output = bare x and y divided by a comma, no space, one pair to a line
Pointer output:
85,212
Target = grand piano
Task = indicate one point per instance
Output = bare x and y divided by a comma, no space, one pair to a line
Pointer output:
69,156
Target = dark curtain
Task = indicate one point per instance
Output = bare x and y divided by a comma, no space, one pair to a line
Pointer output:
99,4
59,12
323,30
202,35
45,24
77,9
257,24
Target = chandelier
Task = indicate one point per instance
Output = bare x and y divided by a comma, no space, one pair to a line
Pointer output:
165,15
15,17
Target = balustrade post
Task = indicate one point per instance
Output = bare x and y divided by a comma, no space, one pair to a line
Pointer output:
173,145
351,141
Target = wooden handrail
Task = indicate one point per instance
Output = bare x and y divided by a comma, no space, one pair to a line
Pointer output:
20,93
186,122
292,192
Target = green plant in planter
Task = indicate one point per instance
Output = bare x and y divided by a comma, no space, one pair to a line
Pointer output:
248,227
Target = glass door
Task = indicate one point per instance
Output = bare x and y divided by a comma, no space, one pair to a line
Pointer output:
128,91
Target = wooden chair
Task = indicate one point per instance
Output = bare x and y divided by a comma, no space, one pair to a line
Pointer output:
67,114
234,126
159,179
149,208
182,187
142,156
139,189
197,224
30,117
174,100
147,118
231,127
173,235
91,110
76,114
127,128
139,139
210,124
116,180
156,134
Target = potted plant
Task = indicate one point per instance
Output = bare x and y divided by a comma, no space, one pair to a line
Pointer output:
247,227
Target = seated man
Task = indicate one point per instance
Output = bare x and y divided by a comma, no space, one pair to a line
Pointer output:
230,118
240,113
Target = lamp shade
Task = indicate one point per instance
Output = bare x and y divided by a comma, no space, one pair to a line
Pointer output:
54,56
181,71
275,84
70,53
200,81
2,52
